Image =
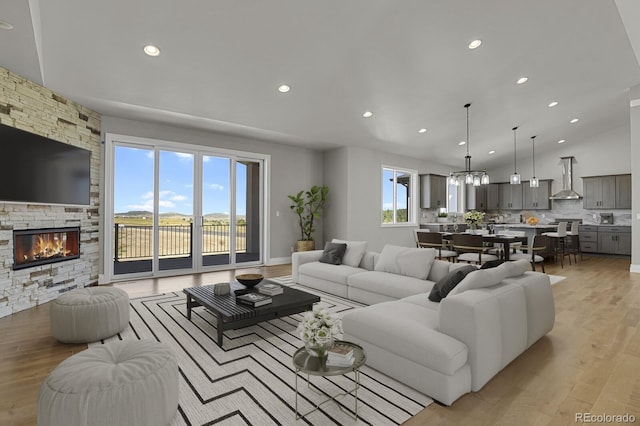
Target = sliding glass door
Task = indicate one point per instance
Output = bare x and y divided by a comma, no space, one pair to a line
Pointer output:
184,211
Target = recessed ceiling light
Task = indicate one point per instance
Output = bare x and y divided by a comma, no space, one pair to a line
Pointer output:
552,104
461,143
423,130
575,120
284,88
5,25
367,114
151,50
522,80
561,141
475,44
492,152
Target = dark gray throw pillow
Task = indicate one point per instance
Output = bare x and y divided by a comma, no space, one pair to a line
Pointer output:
441,289
333,253
492,264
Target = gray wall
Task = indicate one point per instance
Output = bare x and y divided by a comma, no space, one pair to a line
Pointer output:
635,178
603,154
357,189
292,169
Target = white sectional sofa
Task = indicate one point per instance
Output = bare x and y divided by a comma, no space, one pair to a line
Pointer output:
443,349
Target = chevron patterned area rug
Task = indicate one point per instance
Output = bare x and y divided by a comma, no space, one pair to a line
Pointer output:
251,380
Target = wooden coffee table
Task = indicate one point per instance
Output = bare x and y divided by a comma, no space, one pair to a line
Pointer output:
231,316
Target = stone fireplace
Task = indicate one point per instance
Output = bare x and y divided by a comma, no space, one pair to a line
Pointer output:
33,247
65,253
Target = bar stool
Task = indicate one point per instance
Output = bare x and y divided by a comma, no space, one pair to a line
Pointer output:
574,241
559,239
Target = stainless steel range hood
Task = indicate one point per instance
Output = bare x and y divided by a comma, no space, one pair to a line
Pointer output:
567,192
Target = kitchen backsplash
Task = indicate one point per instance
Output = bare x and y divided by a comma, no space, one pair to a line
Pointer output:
561,209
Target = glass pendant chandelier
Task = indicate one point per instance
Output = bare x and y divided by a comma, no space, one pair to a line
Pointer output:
515,177
470,177
534,182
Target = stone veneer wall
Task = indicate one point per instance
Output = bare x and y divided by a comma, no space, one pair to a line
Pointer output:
31,107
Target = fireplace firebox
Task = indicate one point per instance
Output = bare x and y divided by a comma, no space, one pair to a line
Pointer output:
33,247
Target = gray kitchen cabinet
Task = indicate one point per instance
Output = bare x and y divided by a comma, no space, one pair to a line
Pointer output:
588,235
599,192
433,191
476,197
623,191
614,240
510,196
493,196
536,198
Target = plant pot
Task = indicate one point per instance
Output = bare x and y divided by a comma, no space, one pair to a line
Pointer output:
443,219
305,245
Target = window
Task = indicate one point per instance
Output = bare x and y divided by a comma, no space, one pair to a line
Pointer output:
399,191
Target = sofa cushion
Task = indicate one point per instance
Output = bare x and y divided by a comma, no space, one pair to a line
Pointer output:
333,253
354,253
480,279
409,331
515,268
492,264
443,286
391,285
411,262
333,273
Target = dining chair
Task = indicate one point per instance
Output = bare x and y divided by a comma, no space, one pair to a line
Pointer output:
559,239
538,244
515,246
573,238
471,248
435,240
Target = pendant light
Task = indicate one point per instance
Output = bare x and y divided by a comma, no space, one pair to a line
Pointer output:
534,182
471,177
515,177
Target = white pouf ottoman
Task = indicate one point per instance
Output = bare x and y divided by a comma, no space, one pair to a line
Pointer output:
89,314
130,382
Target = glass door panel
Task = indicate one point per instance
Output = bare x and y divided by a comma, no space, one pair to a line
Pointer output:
216,211
175,210
133,211
248,211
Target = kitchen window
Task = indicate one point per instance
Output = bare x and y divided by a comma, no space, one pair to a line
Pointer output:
399,192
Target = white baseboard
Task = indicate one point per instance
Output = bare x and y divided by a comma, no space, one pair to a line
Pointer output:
278,261
102,280
635,268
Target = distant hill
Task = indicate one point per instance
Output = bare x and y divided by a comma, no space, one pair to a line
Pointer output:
208,216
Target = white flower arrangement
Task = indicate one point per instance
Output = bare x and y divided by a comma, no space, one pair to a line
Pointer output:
473,217
319,327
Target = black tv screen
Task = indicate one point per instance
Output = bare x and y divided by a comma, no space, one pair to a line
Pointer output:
35,169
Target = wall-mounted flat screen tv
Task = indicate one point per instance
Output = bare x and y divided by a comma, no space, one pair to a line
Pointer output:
35,169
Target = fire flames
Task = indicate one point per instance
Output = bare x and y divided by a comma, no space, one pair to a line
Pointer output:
46,247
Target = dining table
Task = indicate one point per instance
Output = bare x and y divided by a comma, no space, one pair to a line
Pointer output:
505,240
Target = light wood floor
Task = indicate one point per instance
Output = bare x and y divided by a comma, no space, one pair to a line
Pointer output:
589,363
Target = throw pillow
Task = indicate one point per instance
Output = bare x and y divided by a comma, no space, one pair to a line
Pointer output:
443,287
516,268
480,279
333,253
492,264
354,253
411,262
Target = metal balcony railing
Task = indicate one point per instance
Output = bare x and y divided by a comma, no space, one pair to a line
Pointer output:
135,242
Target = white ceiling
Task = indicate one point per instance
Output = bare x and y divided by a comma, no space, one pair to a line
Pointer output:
407,61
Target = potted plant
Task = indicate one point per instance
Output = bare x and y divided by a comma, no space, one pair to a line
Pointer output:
473,218
308,205
442,215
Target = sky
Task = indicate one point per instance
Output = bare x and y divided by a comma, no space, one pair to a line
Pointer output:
134,182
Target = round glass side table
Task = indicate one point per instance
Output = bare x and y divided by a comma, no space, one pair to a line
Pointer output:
313,366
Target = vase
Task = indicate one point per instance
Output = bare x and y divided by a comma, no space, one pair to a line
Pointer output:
473,226
320,350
